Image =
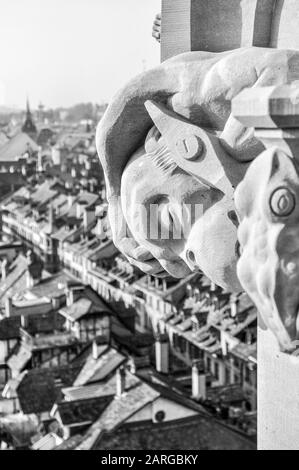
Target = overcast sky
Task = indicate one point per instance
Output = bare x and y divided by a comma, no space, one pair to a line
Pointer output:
63,52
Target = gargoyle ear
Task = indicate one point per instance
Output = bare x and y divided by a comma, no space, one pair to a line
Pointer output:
168,122
276,162
280,164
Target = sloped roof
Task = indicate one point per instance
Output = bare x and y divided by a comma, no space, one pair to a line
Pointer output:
16,147
52,285
96,389
95,370
71,443
36,323
47,442
246,352
12,178
9,328
15,280
89,302
20,427
138,394
118,411
82,411
18,360
228,394
3,138
41,388
191,432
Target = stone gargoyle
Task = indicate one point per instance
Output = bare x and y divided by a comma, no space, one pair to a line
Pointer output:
169,139
268,210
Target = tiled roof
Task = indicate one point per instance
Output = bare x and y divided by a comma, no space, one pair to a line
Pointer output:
20,427
47,442
96,390
9,328
37,323
192,432
95,370
81,411
19,359
12,178
246,352
16,147
41,388
118,411
53,285
71,443
15,280
228,394
171,390
89,302
143,390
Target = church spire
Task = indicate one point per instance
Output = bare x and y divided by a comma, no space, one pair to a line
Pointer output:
29,126
28,112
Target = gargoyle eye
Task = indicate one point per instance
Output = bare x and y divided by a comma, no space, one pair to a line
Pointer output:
282,202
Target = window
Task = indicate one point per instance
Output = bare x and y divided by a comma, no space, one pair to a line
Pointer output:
247,375
195,353
216,371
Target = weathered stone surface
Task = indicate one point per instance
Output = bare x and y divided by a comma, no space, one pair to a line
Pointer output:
278,400
221,25
195,91
284,30
267,205
214,25
270,107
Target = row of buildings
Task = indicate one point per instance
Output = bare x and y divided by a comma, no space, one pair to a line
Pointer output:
93,353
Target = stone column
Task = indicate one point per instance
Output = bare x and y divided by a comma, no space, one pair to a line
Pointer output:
214,25
278,396
274,113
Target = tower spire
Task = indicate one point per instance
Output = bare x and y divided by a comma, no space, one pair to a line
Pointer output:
28,112
29,126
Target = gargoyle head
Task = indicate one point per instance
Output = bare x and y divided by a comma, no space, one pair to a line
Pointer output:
177,199
267,203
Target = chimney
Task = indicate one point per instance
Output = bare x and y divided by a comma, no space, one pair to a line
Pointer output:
213,287
88,216
233,306
73,294
70,199
198,380
189,290
4,270
196,295
34,270
95,350
162,353
80,209
8,307
51,218
55,302
120,381
24,322
87,165
39,160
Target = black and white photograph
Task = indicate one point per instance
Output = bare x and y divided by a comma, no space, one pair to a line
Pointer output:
149,227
